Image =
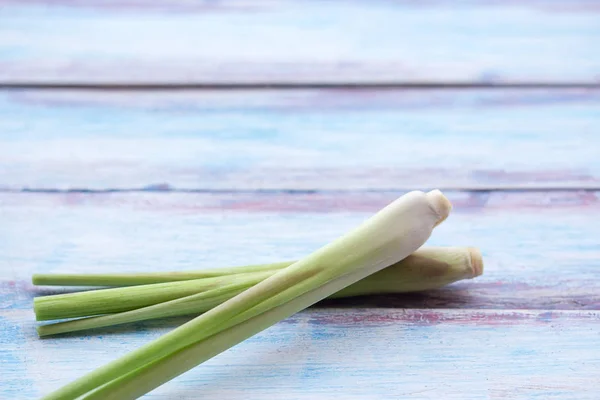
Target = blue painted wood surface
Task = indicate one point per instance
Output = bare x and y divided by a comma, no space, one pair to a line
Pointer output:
299,41
160,180
540,249
354,354
299,140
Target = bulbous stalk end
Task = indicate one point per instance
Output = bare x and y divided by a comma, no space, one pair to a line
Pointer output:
439,204
476,261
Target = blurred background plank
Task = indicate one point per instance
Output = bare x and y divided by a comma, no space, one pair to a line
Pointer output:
540,252
356,354
299,139
295,42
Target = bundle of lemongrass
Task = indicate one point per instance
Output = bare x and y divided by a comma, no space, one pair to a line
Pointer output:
381,255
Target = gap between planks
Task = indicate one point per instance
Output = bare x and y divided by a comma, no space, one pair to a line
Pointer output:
7,85
165,188
299,201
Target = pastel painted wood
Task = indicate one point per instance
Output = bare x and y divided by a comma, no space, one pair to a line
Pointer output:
354,354
299,140
539,254
138,180
229,42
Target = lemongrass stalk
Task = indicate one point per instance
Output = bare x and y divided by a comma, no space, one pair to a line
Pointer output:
146,278
108,301
183,306
117,300
386,238
138,382
427,268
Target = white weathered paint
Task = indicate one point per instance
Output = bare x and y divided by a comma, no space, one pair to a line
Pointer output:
299,41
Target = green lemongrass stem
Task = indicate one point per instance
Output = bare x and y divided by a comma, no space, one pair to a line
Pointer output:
146,278
203,301
152,375
427,268
118,300
108,301
386,238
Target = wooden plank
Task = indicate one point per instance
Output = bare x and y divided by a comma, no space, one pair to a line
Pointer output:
541,252
357,354
299,140
275,41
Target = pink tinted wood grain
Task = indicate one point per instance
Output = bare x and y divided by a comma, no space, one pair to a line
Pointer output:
228,42
539,253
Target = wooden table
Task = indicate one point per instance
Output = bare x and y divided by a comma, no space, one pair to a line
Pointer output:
139,137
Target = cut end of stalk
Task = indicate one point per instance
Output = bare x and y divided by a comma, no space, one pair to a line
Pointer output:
37,279
440,205
41,331
476,261
36,309
46,331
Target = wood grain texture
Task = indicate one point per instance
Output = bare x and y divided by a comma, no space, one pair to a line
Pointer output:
299,140
544,255
299,42
359,354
